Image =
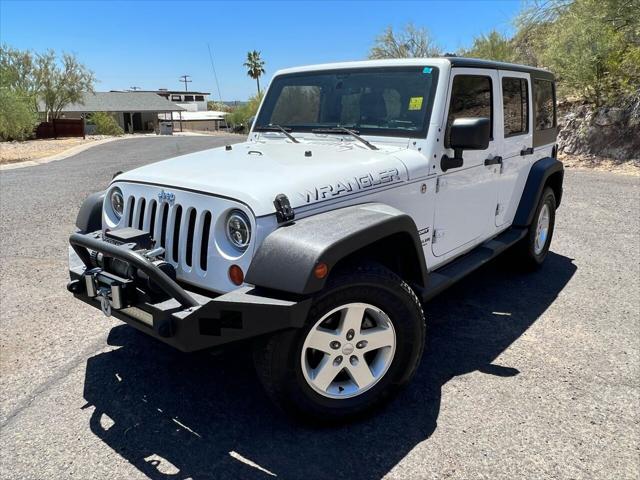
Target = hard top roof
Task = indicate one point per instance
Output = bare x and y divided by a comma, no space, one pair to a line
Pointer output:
436,62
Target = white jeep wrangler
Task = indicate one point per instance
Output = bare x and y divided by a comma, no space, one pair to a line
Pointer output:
363,190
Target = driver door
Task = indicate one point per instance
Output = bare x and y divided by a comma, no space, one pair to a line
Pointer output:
466,196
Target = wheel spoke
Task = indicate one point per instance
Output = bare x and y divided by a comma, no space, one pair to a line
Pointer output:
352,318
376,338
360,373
320,339
336,350
325,373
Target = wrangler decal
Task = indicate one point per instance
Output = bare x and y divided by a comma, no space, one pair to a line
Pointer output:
354,184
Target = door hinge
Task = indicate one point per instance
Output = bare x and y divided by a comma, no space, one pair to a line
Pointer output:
436,235
498,209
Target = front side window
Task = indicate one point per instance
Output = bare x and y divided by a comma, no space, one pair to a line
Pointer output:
545,114
470,98
515,101
392,101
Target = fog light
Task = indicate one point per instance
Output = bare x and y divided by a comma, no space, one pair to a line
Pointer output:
236,275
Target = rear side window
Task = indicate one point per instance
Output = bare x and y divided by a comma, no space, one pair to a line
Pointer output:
545,113
515,101
470,97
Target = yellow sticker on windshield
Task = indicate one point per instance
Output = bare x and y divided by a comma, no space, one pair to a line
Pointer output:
415,103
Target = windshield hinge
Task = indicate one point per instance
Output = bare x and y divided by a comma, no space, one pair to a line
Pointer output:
284,212
437,234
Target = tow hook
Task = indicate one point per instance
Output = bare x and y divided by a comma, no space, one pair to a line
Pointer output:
105,303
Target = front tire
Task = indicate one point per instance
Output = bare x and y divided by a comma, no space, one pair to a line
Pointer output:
363,341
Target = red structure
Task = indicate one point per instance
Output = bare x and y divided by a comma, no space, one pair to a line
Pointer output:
61,127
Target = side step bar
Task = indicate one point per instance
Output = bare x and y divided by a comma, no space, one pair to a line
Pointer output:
449,274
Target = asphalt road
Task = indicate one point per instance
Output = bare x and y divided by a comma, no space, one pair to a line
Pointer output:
525,375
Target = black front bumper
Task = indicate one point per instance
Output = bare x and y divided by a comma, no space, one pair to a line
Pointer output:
184,319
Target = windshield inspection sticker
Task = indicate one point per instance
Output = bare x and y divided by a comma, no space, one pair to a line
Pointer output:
427,70
415,103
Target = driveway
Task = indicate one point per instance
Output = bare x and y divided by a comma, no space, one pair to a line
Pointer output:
525,375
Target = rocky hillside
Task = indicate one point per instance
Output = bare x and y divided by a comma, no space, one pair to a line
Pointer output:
610,132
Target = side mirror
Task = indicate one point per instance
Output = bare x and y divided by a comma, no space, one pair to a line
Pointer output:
466,134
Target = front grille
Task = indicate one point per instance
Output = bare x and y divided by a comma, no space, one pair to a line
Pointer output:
183,231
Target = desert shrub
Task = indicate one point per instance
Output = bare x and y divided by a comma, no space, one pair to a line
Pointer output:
17,117
106,124
241,117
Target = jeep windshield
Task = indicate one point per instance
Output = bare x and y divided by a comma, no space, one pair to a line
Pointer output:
387,101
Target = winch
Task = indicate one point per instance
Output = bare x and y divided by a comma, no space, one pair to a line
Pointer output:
142,243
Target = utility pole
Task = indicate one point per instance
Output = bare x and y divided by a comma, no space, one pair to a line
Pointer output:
185,79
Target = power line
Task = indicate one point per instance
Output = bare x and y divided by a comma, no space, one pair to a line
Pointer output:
185,80
214,73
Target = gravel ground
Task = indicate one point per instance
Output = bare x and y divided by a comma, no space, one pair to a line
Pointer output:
525,375
11,152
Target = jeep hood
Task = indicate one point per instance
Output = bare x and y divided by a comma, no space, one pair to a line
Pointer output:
254,173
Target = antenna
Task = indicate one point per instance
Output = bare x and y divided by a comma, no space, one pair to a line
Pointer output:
214,73
185,79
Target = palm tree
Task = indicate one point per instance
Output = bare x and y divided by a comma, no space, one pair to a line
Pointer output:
255,66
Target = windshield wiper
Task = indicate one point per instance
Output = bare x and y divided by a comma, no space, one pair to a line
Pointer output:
278,128
353,133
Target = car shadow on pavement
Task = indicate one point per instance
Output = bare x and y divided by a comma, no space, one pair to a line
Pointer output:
196,416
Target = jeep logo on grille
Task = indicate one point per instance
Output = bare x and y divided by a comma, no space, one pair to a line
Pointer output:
167,197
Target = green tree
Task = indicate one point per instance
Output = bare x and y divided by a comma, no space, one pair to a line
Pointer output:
44,77
218,106
62,82
17,115
19,73
411,42
255,66
493,46
593,46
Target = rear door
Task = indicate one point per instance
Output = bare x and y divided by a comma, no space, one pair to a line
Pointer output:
466,196
515,134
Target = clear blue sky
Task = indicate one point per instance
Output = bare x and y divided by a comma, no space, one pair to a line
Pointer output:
150,44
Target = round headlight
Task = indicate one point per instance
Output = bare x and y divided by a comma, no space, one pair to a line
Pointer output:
117,202
238,229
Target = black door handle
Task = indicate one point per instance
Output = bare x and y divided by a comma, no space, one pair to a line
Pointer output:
526,151
493,161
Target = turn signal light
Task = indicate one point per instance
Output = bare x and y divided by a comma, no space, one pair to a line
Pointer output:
236,275
321,270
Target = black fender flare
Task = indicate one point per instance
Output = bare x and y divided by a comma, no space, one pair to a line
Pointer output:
286,259
89,217
543,172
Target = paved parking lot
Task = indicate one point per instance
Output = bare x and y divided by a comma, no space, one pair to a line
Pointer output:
525,375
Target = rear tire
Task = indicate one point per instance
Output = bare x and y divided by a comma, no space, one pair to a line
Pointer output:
353,373
533,249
